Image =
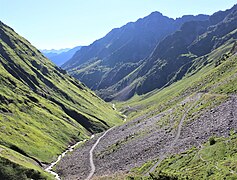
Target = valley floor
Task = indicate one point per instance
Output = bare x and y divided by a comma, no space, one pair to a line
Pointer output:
146,141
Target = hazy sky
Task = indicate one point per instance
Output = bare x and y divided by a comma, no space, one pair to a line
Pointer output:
58,24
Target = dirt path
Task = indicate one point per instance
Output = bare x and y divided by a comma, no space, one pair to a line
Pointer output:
91,155
183,118
142,140
176,137
125,117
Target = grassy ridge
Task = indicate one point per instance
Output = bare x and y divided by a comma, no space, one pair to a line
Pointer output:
42,109
16,166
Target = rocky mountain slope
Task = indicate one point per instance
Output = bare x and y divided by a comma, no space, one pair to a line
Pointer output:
186,130
181,119
174,55
109,59
61,56
42,109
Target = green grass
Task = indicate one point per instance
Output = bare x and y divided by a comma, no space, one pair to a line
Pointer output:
85,69
144,168
218,161
16,166
42,108
40,121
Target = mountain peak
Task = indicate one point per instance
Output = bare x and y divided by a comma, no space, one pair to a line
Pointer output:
128,45
156,13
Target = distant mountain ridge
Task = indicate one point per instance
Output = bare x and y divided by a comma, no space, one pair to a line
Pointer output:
60,56
174,55
154,63
54,51
109,59
144,33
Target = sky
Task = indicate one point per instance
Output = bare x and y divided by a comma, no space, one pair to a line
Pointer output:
56,24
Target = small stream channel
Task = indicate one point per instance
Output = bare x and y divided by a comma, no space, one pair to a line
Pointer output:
49,169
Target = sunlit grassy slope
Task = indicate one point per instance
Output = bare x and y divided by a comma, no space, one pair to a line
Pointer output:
42,109
211,161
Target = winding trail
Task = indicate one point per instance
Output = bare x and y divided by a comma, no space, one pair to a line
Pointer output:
176,137
91,155
125,117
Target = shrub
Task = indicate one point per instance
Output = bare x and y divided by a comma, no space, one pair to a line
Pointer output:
212,141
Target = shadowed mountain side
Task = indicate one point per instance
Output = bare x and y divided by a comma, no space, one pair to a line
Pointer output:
174,55
109,59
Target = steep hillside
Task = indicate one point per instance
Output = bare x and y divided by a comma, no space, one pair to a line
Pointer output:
184,131
61,56
109,59
174,55
42,109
